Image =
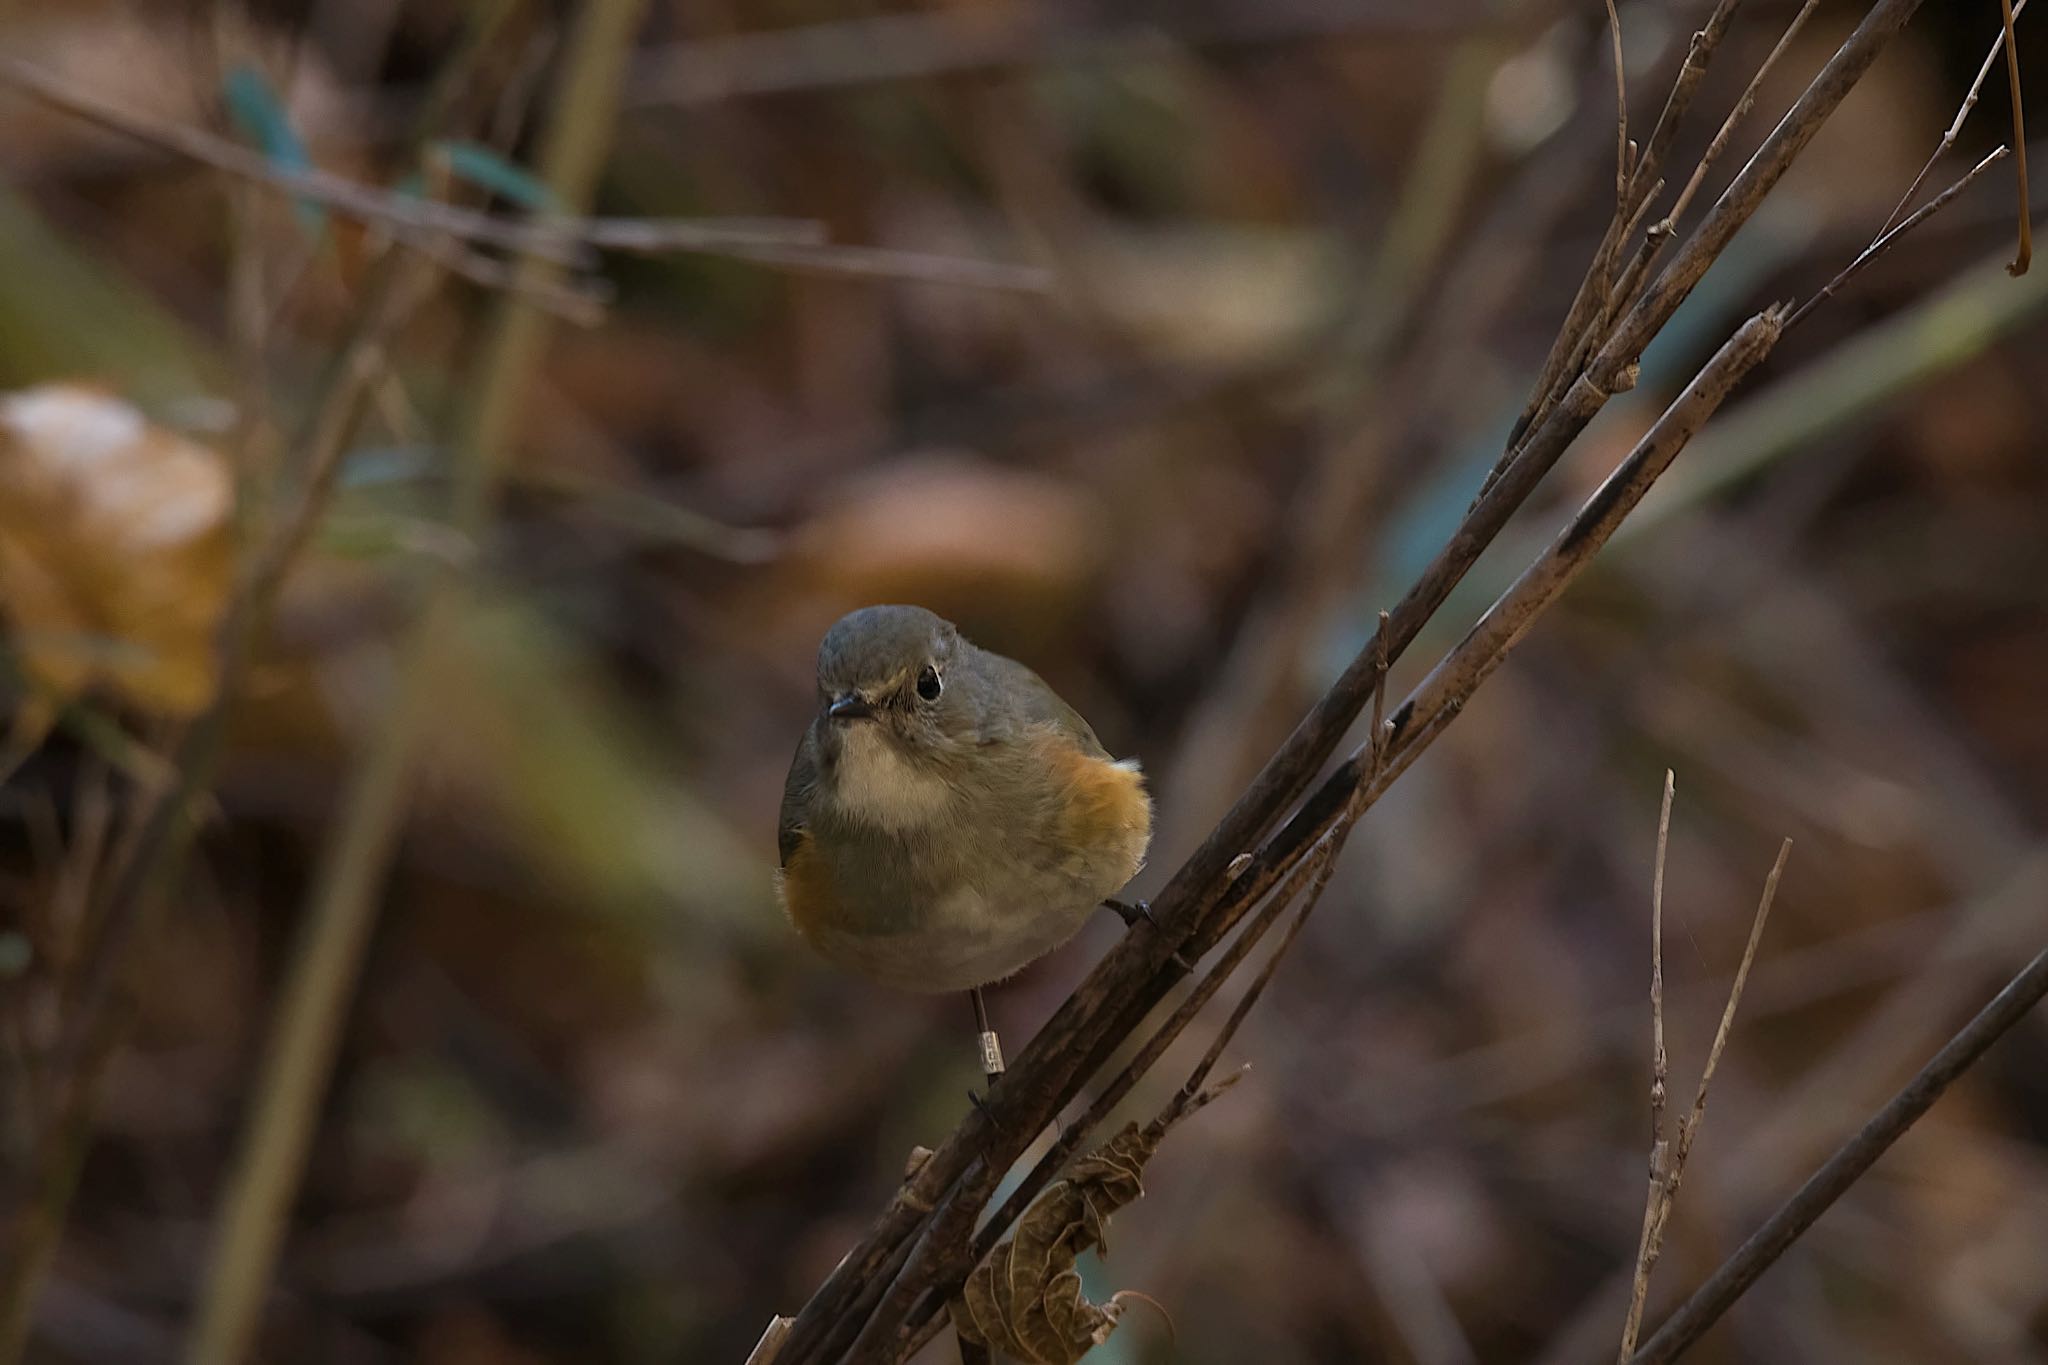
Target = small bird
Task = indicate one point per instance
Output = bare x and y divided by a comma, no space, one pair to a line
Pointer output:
948,819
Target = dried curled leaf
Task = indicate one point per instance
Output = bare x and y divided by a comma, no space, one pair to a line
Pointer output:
115,551
1026,1300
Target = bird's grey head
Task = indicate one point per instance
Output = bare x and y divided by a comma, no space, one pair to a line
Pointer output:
892,712
876,653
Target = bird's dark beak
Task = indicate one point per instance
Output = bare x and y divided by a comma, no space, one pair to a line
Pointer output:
852,706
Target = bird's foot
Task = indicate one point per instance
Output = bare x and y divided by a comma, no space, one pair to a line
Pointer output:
1142,910
1130,913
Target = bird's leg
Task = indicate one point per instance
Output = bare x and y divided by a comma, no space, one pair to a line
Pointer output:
990,1045
1131,914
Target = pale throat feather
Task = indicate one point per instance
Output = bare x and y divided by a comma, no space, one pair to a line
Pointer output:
876,785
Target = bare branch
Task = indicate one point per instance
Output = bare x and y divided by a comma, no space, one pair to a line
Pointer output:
1688,1131
1659,1068
875,262
1630,285
1751,184
1955,127
1848,1165
2024,255
1884,242
1621,166
564,240
433,228
1735,116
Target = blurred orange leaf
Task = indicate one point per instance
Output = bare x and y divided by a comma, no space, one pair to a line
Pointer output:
115,552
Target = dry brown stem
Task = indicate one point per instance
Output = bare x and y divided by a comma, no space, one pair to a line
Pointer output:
1884,240
1621,158
1664,1188
1850,1161
1955,127
2023,255
1659,1078
438,230
1735,117
1595,290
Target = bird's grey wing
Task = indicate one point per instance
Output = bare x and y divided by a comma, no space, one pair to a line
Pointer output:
1037,704
796,799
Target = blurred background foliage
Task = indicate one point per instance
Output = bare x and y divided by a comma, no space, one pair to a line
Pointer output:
594,1101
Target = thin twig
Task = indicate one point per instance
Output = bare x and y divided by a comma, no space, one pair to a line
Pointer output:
580,302
1659,1061
1630,286
1698,53
1751,184
1661,232
428,225
2023,255
1884,242
1594,288
1843,1169
1621,292
1659,1082
1955,127
892,263
1621,162
566,240
1735,116
1380,665
1689,1126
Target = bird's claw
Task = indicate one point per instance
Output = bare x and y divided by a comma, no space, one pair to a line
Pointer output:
1142,910
1130,913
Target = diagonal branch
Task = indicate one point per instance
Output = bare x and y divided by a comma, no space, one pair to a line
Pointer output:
437,230
1848,1165
1955,127
1645,183
1884,240
567,241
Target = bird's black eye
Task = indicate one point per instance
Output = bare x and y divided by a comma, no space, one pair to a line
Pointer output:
928,684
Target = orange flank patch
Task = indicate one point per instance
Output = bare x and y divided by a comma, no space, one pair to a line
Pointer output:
1106,806
807,895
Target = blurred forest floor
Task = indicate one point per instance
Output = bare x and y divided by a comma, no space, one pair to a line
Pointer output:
594,1100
